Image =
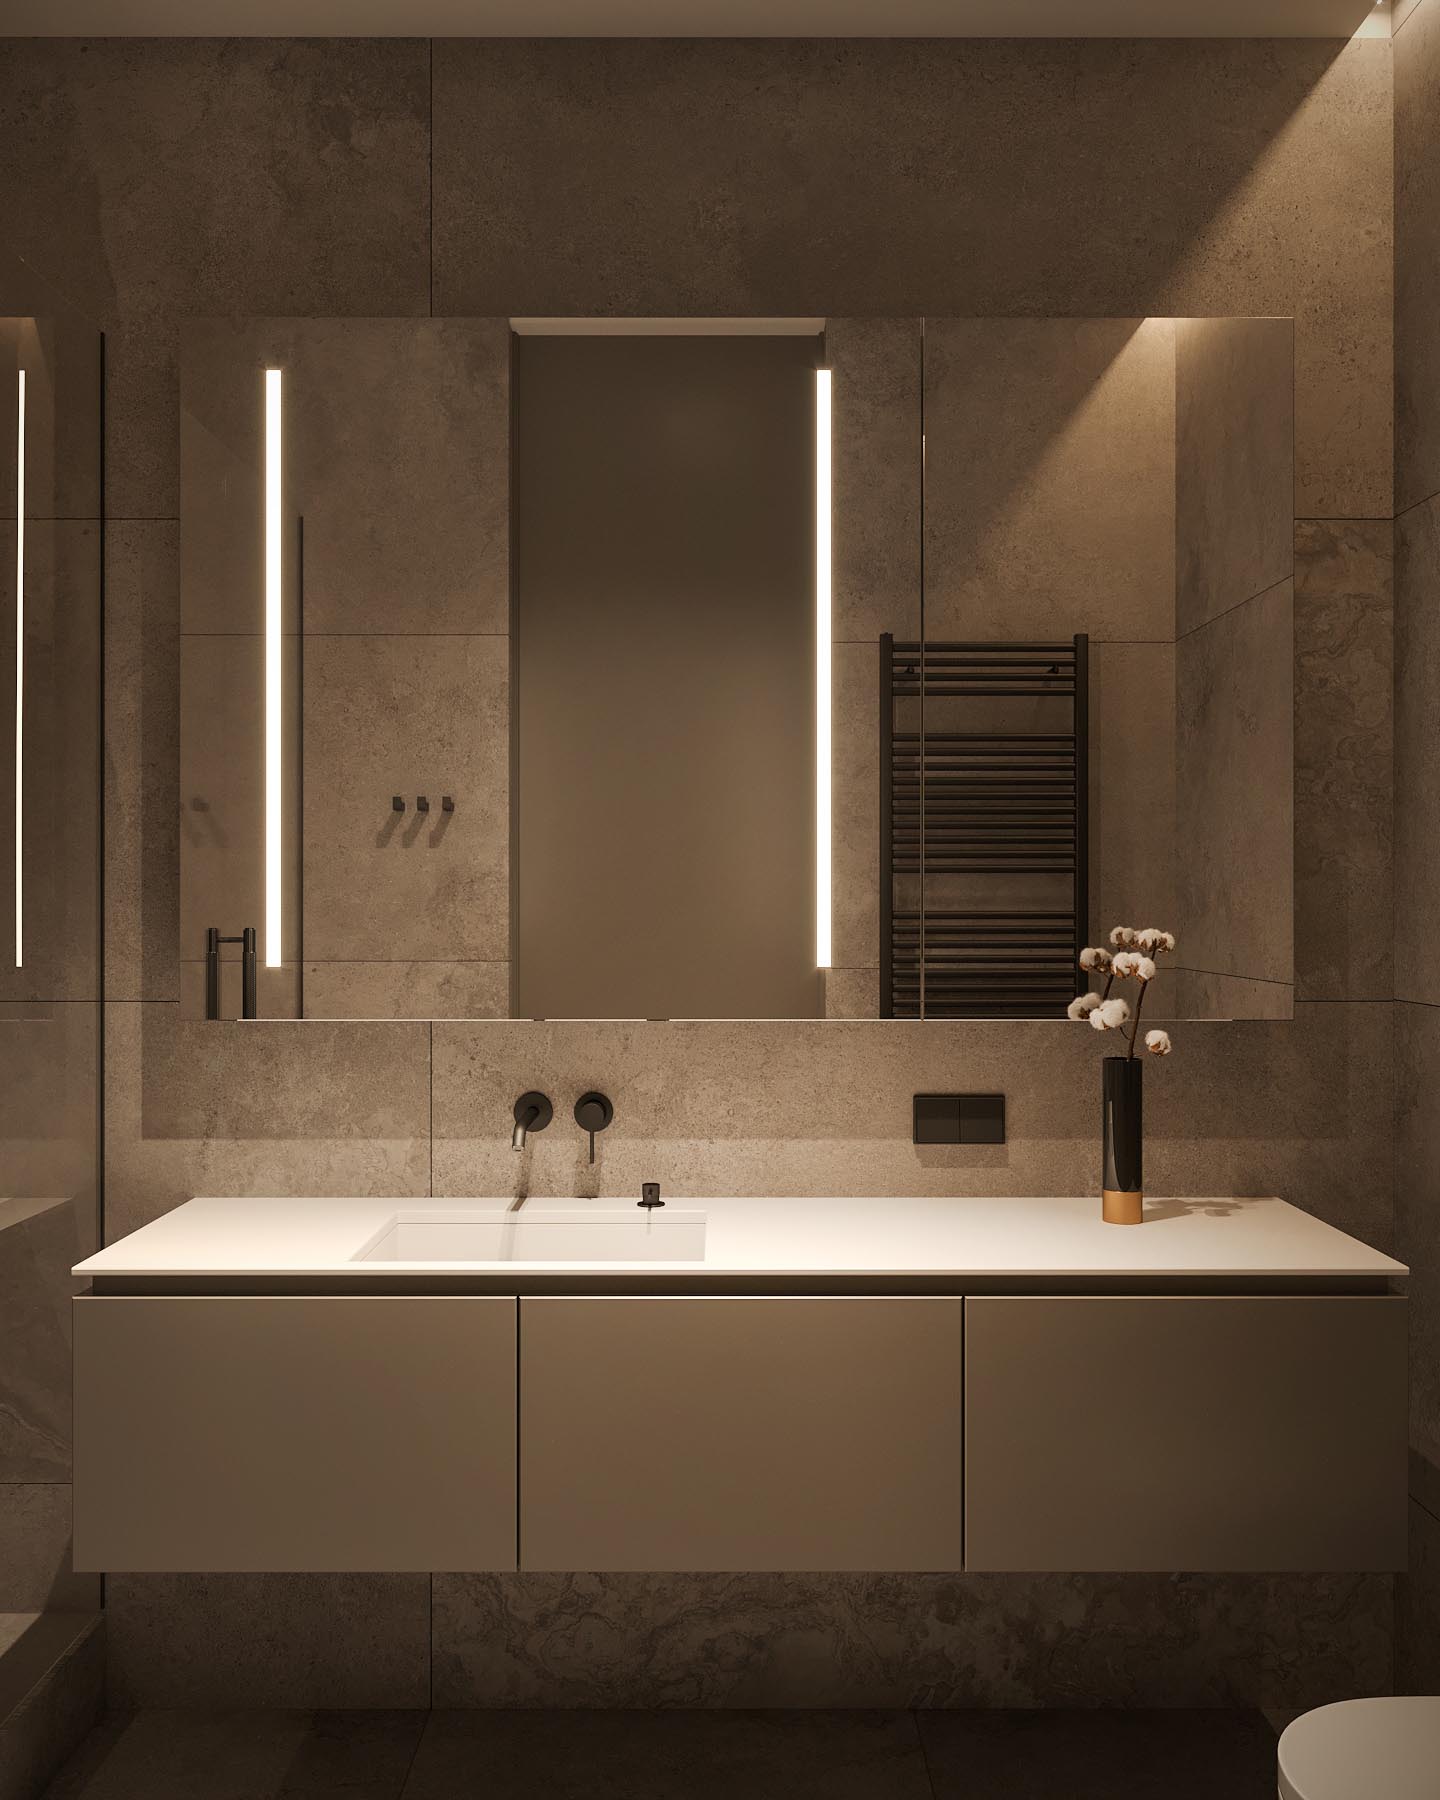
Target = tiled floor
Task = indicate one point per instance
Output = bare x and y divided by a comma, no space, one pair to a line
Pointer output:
675,1756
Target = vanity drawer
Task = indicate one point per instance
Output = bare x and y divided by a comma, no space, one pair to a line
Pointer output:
1184,1433
751,1434
279,1433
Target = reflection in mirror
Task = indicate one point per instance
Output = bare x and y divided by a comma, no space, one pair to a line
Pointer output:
542,625
1131,481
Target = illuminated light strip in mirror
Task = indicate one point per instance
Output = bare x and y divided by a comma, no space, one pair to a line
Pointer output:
823,629
274,622
20,672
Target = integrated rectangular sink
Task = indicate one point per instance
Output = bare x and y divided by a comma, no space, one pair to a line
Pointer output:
633,1235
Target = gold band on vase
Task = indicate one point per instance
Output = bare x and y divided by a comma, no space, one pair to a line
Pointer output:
1119,1208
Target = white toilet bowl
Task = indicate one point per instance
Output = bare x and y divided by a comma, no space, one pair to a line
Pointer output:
1363,1750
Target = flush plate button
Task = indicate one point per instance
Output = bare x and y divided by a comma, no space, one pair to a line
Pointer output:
959,1119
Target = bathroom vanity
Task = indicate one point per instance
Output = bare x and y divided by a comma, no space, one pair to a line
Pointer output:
865,1384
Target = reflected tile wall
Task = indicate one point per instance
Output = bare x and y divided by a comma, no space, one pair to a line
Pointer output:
406,715
1050,478
1234,721
1344,760
1235,462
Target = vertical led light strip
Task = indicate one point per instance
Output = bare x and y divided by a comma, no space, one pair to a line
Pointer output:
822,668
274,622
20,672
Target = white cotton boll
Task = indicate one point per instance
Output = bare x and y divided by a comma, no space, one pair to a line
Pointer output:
1122,935
1097,1019
1114,1013
1095,959
1158,1043
1167,940
1083,1006
1144,968
1152,941
1126,963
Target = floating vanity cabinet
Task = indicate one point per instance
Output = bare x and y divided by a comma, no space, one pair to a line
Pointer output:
728,1433
277,1433
1204,1433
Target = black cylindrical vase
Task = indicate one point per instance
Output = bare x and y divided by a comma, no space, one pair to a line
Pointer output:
1123,1182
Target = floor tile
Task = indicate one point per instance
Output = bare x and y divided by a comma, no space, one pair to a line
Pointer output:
1195,1754
205,1755
716,1755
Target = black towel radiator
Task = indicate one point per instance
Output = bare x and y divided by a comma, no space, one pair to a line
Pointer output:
1007,804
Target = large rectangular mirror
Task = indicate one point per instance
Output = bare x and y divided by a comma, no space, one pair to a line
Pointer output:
749,668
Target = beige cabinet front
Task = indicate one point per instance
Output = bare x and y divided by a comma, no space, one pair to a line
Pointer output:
278,1433
1183,1433
749,1434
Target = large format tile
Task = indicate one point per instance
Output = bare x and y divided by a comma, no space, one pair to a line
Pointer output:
808,1640
60,352
886,177
407,990
1134,850
1417,246
1417,1609
268,1640
855,810
1193,1754
415,715
38,1246
1300,1110
35,1571
1344,758
59,897
1049,478
1417,752
142,760
222,797
1234,462
1235,800
397,444
268,1108
1417,1210
657,1755
245,1755
65,1701
165,177
50,1107
876,431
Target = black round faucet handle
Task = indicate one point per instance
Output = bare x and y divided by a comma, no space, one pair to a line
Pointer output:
533,1111
593,1112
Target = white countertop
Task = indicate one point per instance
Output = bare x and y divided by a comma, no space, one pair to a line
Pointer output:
814,1236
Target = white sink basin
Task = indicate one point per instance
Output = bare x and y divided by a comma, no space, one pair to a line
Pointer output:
665,1234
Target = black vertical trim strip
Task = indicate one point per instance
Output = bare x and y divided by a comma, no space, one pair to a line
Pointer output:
921,746
887,825
431,160
519,1308
300,765
1081,716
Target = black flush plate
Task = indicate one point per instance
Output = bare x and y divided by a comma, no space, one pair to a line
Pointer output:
959,1119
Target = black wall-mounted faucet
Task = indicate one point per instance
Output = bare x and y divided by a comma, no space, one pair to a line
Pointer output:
593,1112
533,1112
